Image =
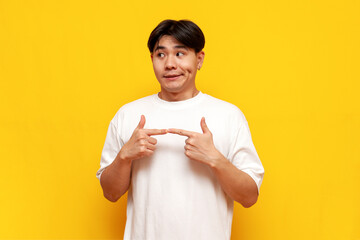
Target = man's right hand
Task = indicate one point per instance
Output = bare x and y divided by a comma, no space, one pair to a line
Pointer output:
141,144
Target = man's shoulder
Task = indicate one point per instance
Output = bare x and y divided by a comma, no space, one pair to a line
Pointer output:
223,106
138,103
135,107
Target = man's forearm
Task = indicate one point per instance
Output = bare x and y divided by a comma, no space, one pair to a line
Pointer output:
115,179
237,184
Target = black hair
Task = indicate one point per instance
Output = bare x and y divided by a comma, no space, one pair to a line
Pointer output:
184,31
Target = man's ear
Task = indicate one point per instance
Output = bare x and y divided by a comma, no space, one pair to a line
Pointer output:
200,58
151,55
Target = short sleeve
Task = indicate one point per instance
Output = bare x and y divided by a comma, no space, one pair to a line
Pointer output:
243,153
111,148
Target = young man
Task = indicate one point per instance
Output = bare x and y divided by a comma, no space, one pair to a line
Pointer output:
182,155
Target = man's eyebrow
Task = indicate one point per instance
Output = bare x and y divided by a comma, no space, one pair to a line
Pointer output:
159,47
181,46
176,46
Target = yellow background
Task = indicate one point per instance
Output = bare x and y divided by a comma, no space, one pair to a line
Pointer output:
292,67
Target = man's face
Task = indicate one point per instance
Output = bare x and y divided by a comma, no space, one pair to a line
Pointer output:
175,65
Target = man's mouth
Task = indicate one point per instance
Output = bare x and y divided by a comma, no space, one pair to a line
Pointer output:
172,76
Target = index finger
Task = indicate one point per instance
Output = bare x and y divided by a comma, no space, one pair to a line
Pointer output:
181,132
151,132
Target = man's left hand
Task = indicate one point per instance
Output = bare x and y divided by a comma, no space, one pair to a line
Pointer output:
200,146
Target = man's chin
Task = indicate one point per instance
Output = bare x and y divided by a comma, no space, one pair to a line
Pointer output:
173,89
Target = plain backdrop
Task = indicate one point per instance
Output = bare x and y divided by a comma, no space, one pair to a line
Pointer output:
292,67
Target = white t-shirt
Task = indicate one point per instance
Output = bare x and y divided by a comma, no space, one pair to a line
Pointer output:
170,196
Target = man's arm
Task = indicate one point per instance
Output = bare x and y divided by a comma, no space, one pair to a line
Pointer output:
237,184
115,179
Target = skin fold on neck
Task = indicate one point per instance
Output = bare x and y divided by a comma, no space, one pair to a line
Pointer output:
177,96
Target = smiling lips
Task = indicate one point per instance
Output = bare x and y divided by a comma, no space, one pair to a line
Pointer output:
172,76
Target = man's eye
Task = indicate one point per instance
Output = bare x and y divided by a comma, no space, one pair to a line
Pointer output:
179,54
161,54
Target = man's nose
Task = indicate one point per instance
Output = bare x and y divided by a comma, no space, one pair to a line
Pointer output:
170,62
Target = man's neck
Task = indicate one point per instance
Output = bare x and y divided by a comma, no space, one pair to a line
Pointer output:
180,96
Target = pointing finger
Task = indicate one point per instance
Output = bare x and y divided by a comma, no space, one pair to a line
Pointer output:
181,132
150,132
